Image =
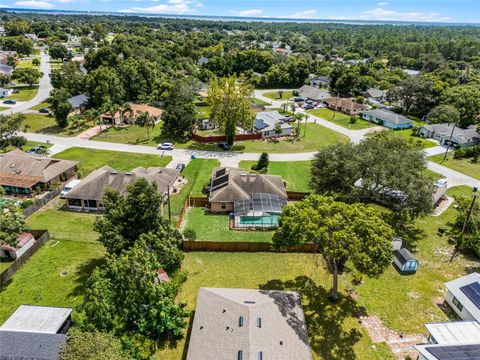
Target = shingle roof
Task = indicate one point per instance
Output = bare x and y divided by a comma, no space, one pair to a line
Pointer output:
388,116
30,346
79,100
266,121
460,135
344,103
38,319
310,92
94,185
231,320
17,168
240,185
376,93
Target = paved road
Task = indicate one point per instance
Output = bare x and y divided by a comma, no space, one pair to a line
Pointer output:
44,88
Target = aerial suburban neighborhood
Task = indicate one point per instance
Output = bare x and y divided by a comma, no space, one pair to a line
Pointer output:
186,187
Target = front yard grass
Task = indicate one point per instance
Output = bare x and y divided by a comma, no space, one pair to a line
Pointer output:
341,119
23,94
41,105
91,159
274,95
214,227
410,134
46,124
260,102
465,165
295,173
334,332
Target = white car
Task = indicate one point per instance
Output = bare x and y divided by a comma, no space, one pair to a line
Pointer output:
165,146
69,186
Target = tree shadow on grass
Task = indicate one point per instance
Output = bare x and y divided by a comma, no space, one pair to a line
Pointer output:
174,343
82,275
329,338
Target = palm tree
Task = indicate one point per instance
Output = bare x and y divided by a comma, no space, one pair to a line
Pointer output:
148,121
125,108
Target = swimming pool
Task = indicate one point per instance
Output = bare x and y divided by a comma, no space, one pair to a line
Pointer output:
265,220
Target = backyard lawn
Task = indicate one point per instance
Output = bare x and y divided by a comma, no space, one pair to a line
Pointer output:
465,166
409,134
295,173
91,159
274,95
26,64
23,94
334,332
341,119
214,227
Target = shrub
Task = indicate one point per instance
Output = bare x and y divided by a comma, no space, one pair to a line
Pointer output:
190,235
26,203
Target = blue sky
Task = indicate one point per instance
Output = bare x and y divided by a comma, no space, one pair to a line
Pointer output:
403,10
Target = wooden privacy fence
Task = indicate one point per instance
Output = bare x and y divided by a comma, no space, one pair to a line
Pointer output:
297,196
191,201
39,203
243,247
41,237
221,138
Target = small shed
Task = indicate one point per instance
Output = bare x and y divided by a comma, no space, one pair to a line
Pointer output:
25,241
405,261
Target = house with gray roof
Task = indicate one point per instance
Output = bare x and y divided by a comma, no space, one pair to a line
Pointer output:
88,195
230,185
308,92
5,92
248,324
321,81
461,138
79,102
271,124
387,118
377,95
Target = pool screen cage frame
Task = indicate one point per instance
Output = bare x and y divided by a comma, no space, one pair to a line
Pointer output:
259,204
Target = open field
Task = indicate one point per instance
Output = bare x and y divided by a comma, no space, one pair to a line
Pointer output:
214,227
340,119
91,159
23,94
295,173
465,166
274,95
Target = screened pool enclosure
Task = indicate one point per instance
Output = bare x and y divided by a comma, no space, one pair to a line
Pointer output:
260,211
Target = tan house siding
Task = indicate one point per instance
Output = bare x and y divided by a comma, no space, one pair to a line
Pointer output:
217,207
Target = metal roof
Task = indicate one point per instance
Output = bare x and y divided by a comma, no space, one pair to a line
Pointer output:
455,332
37,319
455,288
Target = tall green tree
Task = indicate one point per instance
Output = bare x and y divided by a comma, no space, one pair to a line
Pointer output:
179,116
230,105
60,106
28,76
342,233
58,51
12,223
104,85
470,242
16,27
9,125
466,99
444,114
91,346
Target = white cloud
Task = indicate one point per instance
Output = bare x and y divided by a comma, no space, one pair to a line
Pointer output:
384,14
4,6
382,3
305,14
249,12
170,7
35,4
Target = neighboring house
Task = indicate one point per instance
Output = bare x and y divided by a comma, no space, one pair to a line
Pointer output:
376,95
439,195
31,37
344,105
246,324
78,103
463,296
88,195
321,81
22,173
387,118
130,116
461,137
25,241
5,92
308,92
451,340
34,332
268,122
230,185
410,72
5,69
405,261
206,124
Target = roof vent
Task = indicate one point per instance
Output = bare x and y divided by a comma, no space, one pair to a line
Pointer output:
281,342
113,172
249,302
240,321
128,174
259,322
224,311
12,165
260,355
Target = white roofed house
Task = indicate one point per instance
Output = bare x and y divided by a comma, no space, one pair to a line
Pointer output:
272,124
248,324
25,241
463,296
5,92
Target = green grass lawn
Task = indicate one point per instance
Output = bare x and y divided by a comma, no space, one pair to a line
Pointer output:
26,64
334,332
274,95
465,166
260,102
41,105
91,159
46,124
203,112
29,145
409,134
341,119
214,227
295,173
23,94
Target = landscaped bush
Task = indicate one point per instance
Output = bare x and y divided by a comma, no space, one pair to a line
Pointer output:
26,203
467,152
190,235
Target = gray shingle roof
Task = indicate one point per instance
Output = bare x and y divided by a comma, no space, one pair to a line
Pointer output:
462,136
94,185
313,93
30,346
388,116
266,121
78,100
231,320
376,93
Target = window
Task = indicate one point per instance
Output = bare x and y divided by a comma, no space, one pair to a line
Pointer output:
240,321
260,355
457,304
224,206
240,355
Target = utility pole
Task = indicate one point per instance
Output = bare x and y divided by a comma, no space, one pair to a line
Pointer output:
168,199
305,128
335,108
448,145
459,242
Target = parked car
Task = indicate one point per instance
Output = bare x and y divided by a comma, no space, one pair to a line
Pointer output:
10,102
224,146
442,182
308,106
297,99
165,146
69,186
37,149
44,111
180,167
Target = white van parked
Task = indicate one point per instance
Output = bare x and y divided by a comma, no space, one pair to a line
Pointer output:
69,186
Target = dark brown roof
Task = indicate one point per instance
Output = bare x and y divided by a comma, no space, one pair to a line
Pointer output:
344,103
